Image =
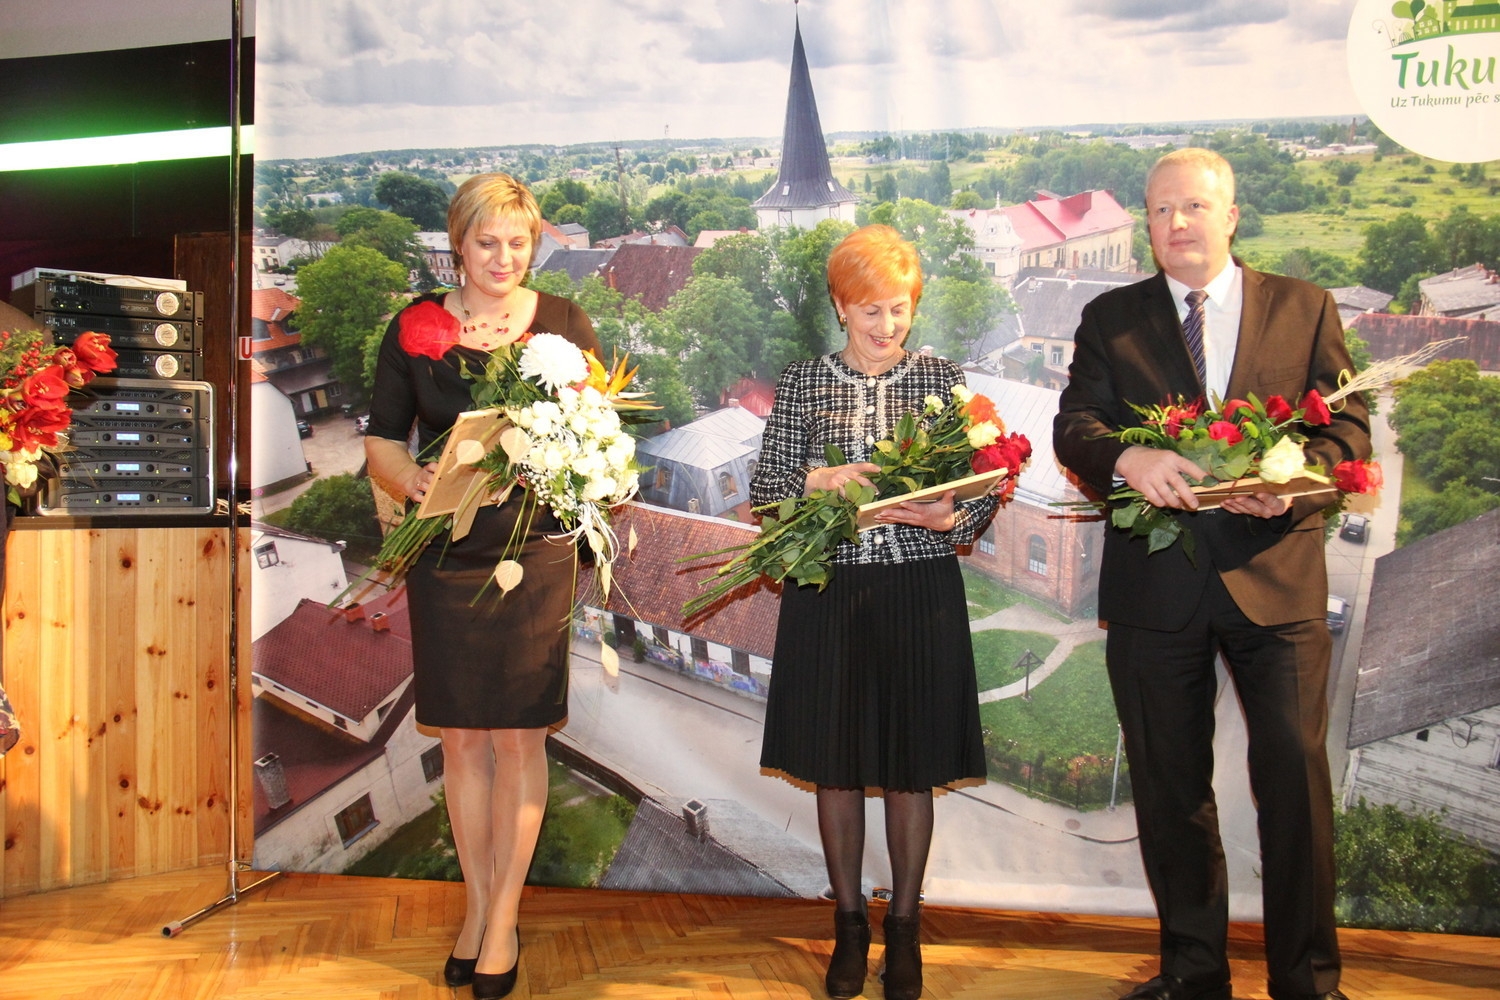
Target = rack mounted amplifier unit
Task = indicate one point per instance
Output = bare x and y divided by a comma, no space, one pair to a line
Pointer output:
139,446
78,295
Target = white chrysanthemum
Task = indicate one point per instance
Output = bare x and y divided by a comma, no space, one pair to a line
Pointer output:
983,434
554,457
962,393
933,403
553,361
1282,461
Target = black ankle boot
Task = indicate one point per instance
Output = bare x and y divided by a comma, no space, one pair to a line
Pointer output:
903,956
851,953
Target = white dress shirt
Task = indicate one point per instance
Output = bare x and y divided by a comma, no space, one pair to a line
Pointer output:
1221,323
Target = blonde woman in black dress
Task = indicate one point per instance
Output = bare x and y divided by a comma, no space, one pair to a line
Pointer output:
872,682
491,675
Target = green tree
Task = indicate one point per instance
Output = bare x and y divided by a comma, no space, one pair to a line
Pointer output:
745,258
1321,267
1406,871
1394,251
1455,504
938,237
1463,238
604,216
338,508
966,199
955,313
1250,224
344,297
562,192
800,280
392,235
1441,414
422,201
298,222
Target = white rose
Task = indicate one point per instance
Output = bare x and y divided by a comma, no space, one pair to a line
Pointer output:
619,452
982,435
1282,461
600,489
21,472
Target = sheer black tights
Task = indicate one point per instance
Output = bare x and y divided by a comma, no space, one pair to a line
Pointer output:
908,836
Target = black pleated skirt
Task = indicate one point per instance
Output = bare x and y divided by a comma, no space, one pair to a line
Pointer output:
494,663
872,680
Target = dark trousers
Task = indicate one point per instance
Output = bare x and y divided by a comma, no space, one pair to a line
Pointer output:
1164,685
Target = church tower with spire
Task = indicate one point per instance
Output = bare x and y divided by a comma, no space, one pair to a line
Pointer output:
805,192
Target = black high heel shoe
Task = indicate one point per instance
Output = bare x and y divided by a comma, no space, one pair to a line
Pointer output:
494,986
459,971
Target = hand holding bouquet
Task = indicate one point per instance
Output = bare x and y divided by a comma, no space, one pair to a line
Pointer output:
1241,442
565,443
949,440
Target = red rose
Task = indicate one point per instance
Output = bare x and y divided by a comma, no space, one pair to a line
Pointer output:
1314,410
1358,477
1278,409
1236,404
47,389
94,352
988,459
428,330
38,427
1223,430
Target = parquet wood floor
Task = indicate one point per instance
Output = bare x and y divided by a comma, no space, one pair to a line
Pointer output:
314,937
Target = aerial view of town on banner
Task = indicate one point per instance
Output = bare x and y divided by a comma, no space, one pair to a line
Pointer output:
694,165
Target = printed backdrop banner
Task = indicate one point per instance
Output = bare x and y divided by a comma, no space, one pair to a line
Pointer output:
1019,134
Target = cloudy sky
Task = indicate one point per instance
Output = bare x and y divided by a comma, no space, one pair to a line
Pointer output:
347,76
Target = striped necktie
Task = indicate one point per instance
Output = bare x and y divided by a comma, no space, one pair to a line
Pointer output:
1192,332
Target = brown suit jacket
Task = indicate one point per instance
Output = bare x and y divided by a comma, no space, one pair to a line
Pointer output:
1129,347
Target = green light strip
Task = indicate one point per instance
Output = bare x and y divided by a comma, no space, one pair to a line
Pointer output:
112,150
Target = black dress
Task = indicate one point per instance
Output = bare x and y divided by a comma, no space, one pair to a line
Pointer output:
491,663
872,678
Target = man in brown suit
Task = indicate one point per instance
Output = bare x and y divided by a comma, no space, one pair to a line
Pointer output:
1256,593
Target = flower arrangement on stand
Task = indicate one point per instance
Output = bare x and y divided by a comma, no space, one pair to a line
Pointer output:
35,379
563,440
950,441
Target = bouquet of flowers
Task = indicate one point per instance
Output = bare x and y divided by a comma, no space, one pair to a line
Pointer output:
35,380
1244,444
949,440
565,442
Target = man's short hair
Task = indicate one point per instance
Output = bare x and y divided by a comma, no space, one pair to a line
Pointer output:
1193,156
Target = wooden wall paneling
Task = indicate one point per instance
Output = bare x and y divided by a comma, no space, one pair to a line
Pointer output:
244,700
114,567
116,653
20,768
55,721
211,705
88,845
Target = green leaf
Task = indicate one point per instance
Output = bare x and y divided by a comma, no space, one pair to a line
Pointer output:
1163,535
834,455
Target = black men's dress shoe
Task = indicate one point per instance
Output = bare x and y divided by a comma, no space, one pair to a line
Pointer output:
1330,995
1172,988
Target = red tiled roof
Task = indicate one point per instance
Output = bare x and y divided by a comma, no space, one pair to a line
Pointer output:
1390,336
272,304
1048,220
752,394
649,272
345,665
650,584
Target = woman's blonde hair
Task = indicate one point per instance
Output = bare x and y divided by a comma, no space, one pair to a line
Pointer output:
871,264
488,196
